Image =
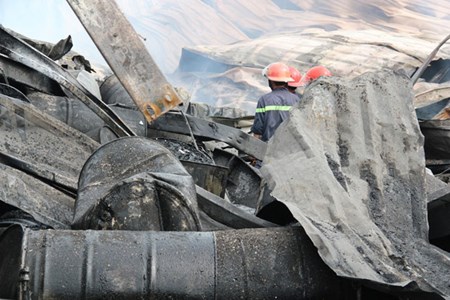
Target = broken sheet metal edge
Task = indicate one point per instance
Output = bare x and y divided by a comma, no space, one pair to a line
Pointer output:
48,123
127,56
19,51
174,122
52,125
430,57
445,112
226,213
431,96
11,91
27,76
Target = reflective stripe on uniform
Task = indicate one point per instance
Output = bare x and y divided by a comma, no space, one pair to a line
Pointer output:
273,107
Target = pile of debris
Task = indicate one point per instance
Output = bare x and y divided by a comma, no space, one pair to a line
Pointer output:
101,199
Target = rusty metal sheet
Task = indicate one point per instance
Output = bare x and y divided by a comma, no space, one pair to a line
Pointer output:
443,115
23,53
127,56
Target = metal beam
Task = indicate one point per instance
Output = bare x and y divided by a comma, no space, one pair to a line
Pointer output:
175,122
127,56
226,213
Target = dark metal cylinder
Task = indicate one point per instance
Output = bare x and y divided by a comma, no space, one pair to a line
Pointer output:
79,116
135,183
231,264
113,92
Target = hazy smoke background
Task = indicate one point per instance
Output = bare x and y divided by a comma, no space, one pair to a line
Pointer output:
216,49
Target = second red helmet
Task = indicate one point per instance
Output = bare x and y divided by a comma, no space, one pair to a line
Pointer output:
296,75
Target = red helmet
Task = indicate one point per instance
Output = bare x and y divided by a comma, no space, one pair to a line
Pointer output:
278,72
295,74
314,73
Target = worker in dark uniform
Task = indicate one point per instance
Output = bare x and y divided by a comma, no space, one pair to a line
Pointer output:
273,108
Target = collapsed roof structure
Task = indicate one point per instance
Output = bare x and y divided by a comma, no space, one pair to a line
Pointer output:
97,203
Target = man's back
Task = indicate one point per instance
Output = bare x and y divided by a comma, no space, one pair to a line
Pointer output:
272,109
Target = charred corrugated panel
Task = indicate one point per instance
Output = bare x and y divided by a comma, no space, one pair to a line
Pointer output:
208,130
384,201
231,264
135,184
53,51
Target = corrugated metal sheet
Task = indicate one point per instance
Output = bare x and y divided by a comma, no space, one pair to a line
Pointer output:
231,75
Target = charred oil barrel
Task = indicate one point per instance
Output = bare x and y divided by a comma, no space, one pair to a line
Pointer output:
243,183
134,183
77,115
199,164
210,177
231,264
437,143
113,92
102,134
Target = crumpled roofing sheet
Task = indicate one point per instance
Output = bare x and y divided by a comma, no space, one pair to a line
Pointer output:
230,75
349,164
171,25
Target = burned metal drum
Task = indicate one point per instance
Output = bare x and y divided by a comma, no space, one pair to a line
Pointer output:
243,184
231,264
135,183
79,116
210,177
113,92
13,92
